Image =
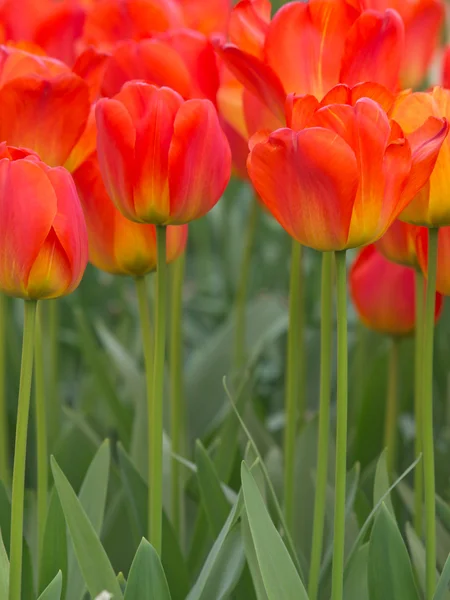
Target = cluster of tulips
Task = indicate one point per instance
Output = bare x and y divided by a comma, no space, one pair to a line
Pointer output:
121,121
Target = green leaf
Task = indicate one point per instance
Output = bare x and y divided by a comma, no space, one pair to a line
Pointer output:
213,498
355,586
381,483
54,552
92,497
443,512
54,589
280,577
4,570
224,563
147,580
92,558
252,559
390,574
171,556
441,592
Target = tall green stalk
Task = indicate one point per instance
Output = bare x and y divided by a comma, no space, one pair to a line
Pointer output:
240,332
53,400
20,452
156,414
390,426
418,471
341,428
41,431
427,415
295,336
147,344
4,434
177,407
324,423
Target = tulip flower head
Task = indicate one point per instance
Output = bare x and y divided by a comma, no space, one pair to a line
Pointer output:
383,293
342,173
163,160
116,244
43,237
398,244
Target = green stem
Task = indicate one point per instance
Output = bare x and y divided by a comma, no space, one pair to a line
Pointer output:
177,409
390,426
242,288
156,415
427,415
324,424
20,452
418,471
341,428
4,434
292,382
41,431
147,343
53,402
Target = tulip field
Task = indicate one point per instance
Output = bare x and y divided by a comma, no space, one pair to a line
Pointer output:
224,332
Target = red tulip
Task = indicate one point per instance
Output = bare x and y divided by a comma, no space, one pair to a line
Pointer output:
164,161
383,293
116,244
446,67
443,260
343,173
398,244
43,238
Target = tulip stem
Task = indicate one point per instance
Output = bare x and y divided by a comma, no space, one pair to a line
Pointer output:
147,343
341,428
4,434
427,415
390,425
54,405
41,431
178,414
156,414
242,288
292,381
18,484
418,471
324,423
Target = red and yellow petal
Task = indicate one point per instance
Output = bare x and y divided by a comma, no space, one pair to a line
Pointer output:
308,180
249,23
398,244
199,162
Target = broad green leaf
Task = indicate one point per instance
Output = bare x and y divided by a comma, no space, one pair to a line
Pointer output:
213,498
441,592
381,483
146,580
93,561
252,559
92,497
225,561
280,577
4,570
172,558
443,512
5,515
54,551
355,586
54,589
390,574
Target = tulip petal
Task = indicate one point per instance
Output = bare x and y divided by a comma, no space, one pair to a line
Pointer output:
199,162
90,66
249,23
50,275
300,110
47,116
374,49
257,116
308,181
207,17
305,44
85,146
28,207
443,257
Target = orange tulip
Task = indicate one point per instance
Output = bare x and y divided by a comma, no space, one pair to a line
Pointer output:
164,161
431,207
340,177
116,244
423,21
309,47
383,293
43,238
443,259
398,244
